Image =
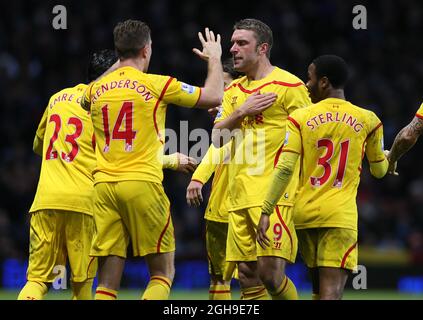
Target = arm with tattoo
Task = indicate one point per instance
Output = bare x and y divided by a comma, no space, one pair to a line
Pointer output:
405,139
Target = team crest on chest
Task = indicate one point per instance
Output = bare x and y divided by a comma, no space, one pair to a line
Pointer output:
234,98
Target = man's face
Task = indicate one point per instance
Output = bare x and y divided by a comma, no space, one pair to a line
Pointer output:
312,84
244,49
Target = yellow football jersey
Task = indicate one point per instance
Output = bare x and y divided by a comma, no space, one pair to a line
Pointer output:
66,134
215,161
128,110
256,147
332,137
419,113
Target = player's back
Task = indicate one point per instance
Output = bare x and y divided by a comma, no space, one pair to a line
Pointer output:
128,112
333,134
68,158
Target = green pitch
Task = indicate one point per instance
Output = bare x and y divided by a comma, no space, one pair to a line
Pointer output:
203,295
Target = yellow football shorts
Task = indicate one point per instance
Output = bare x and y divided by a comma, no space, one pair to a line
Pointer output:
56,235
328,247
216,235
132,210
242,244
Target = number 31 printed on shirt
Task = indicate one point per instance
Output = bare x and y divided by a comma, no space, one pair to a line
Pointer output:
324,161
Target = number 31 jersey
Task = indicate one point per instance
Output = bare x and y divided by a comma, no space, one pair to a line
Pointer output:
332,137
68,159
128,110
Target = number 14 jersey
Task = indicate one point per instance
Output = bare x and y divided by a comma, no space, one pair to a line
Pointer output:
332,137
128,110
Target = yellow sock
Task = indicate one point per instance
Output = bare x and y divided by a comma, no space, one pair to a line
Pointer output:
82,290
33,290
220,292
286,291
254,293
158,289
315,296
103,293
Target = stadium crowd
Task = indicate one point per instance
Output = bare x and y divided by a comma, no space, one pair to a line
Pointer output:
386,77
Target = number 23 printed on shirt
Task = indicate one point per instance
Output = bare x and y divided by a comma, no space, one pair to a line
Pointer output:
128,134
324,161
70,138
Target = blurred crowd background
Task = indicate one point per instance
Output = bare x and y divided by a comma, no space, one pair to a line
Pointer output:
386,65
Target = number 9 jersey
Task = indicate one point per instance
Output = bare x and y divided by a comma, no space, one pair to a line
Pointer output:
332,137
64,138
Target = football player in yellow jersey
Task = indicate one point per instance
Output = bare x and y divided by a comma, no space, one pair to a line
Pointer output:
128,109
216,215
61,223
405,140
255,110
331,137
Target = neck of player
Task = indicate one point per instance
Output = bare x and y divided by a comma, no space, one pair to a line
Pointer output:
336,93
259,70
137,63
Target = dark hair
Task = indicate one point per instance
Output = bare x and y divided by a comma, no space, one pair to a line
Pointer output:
228,67
332,67
261,30
99,63
130,36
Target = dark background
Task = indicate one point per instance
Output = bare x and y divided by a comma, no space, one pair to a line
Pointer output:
385,61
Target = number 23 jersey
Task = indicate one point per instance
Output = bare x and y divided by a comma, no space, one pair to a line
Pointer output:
65,133
332,137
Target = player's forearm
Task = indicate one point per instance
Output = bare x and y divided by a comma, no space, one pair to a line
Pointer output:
280,180
208,165
223,130
170,161
379,169
403,142
212,92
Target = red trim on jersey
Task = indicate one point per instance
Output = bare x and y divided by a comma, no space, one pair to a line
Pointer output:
281,83
344,259
371,132
230,87
278,154
163,232
197,181
160,279
93,141
419,116
283,224
157,105
106,293
294,122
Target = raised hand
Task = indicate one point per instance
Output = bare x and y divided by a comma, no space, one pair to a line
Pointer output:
211,46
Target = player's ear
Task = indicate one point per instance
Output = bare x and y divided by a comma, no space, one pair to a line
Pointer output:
262,48
324,82
144,52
